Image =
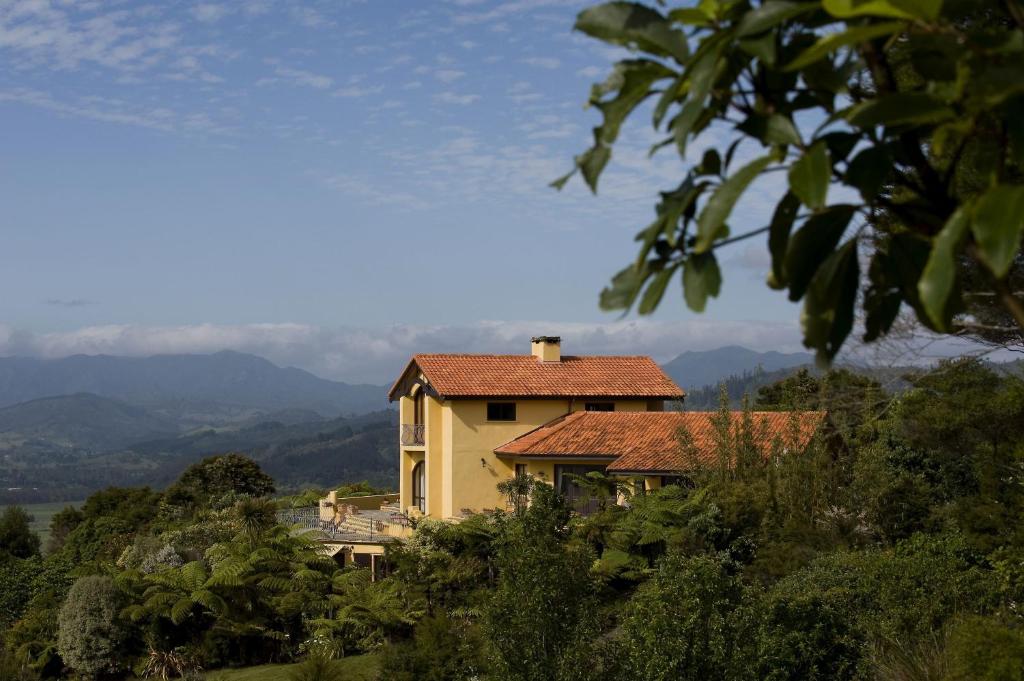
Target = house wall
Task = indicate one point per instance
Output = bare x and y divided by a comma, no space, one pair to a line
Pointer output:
472,484
458,435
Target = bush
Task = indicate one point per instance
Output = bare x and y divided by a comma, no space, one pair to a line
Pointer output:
16,536
441,650
982,649
684,623
91,637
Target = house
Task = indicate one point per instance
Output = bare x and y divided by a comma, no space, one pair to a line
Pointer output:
458,411
469,422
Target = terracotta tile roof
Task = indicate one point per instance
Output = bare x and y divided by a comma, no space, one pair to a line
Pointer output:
650,441
526,376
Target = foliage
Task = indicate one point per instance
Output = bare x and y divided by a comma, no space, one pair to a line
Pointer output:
318,666
16,536
217,477
91,635
908,110
685,623
537,617
984,649
441,649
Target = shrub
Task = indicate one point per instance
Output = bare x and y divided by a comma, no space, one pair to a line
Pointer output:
91,636
983,649
16,536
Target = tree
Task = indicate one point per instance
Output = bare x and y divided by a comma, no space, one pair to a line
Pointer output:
16,536
685,622
912,107
91,634
218,476
537,618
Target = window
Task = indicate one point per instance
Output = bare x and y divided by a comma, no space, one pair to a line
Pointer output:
419,487
575,495
520,470
599,406
639,488
501,411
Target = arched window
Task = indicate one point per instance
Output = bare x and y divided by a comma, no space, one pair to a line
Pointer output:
419,487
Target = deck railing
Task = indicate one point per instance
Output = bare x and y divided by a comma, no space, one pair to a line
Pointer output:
308,518
412,434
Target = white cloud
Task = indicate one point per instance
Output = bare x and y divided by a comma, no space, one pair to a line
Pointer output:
209,13
355,92
448,75
590,71
543,62
114,111
304,78
454,98
377,354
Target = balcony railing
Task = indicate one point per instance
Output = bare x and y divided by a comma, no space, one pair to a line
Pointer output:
412,434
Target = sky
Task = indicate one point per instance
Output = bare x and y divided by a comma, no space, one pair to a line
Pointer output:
314,181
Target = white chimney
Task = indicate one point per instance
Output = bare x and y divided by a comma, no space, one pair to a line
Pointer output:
546,348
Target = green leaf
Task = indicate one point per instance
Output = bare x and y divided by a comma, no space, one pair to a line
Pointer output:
656,289
834,41
778,237
810,176
689,16
900,109
592,162
761,47
769,15
711,164
926,10
812,243
840,144
869,170
712,219
701,278
770,130
998,226
624,289
635,26
828,312
940,273
631,81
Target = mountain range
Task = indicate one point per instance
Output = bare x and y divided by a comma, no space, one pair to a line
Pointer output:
230,381
69,426
696,369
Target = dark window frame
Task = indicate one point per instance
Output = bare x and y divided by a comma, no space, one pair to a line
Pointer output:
599,406
521,470
419,484
500,411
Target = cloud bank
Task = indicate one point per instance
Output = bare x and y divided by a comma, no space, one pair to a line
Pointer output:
377,354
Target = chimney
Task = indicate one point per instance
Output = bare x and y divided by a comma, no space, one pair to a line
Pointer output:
546,348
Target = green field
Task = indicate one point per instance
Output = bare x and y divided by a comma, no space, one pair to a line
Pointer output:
355,668
43,513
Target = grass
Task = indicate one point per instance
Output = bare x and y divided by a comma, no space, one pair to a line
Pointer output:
355,668
43,513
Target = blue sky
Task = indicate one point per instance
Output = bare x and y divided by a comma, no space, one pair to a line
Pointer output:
308,179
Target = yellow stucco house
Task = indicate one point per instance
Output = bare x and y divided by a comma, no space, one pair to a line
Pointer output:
469,422
458,413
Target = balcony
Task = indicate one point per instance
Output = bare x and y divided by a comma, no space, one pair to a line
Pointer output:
412,435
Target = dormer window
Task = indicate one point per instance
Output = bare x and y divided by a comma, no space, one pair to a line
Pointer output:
501,411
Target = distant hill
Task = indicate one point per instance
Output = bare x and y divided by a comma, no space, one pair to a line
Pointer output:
79,422
181,386
319,452
695,369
